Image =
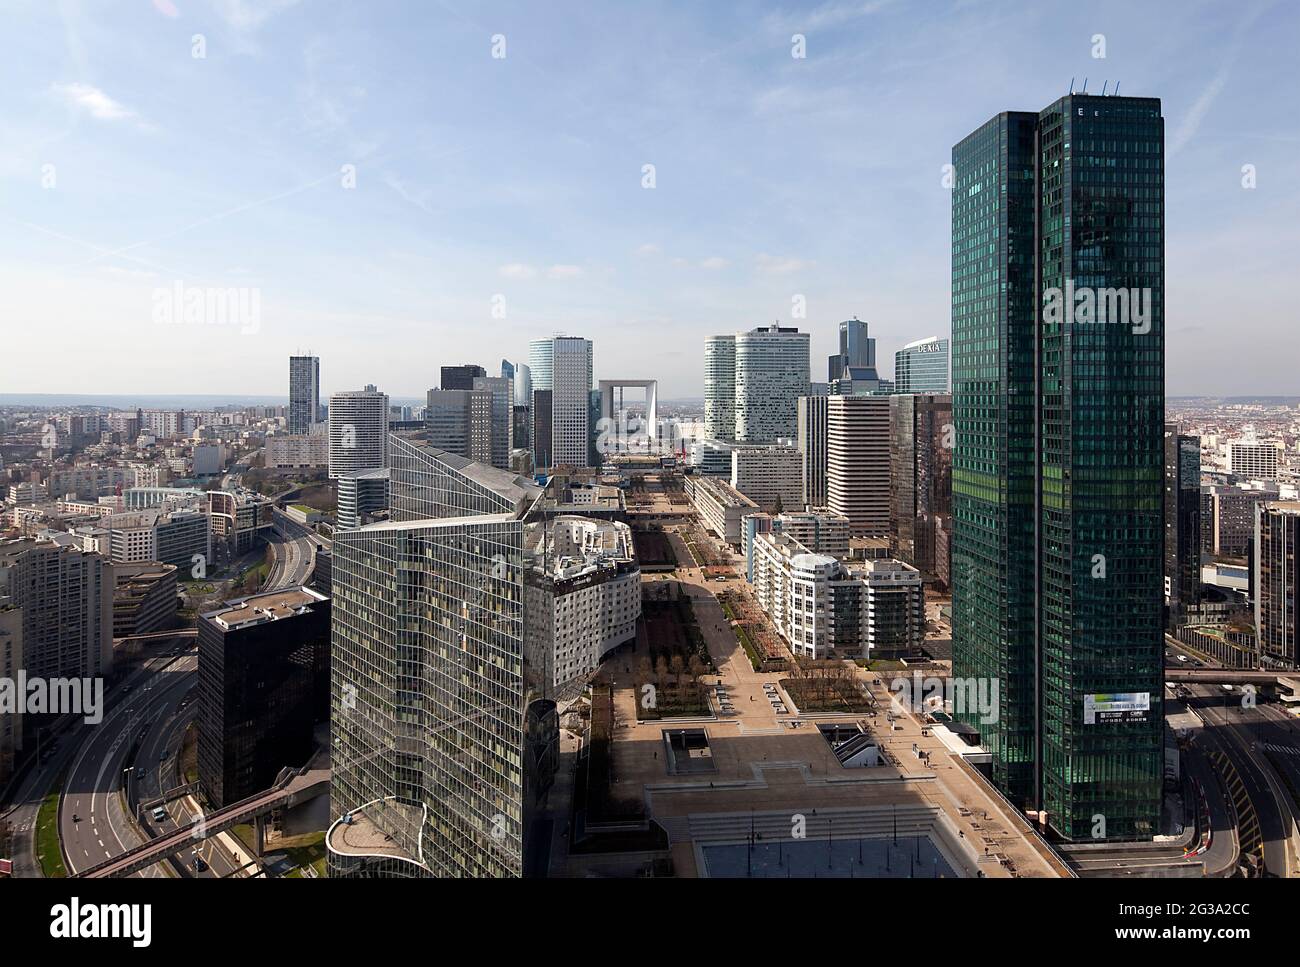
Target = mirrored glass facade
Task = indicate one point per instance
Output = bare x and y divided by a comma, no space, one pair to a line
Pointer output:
1058,467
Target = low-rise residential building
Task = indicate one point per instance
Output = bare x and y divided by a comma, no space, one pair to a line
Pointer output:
721,506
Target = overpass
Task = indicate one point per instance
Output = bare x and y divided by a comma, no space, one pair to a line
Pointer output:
1234,676
292,789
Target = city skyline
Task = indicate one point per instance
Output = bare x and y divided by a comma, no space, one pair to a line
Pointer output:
428,238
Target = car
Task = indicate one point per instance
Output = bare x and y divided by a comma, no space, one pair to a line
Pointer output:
158,815
199,865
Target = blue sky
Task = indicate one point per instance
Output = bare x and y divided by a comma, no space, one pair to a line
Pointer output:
127,164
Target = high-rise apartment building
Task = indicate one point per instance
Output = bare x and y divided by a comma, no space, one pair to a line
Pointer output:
358,424
857,462
304,393
772,372
720,387
66,598
1182,524
1058,222
1274,584
922,367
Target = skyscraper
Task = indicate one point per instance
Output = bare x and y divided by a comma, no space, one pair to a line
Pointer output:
922,367
857,353
1274,584
445,733
1182,524
1058,466
920,449
811,440
358,425
460,377
772,372
562,365
501,424
857,462
460,421
720,387
304,393
540,352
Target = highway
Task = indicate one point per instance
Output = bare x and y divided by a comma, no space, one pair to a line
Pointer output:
23,803
1238,732
293,554
93,821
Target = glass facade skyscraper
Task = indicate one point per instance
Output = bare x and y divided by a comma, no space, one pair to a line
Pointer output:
445,739
1058,465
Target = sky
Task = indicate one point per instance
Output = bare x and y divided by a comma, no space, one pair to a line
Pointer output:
397,186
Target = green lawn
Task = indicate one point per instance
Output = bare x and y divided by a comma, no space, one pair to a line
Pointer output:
47,835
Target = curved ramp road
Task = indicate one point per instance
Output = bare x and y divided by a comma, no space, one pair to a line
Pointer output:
93,822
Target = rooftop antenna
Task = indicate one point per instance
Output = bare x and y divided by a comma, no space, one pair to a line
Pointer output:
1071,85
1115,93
1085,86
1103,87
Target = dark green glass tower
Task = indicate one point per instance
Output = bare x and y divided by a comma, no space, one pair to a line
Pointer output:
1057,570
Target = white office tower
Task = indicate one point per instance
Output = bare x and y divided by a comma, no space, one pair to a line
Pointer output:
358,422
922,367
857,462
772,372
720,388
304,393
569,381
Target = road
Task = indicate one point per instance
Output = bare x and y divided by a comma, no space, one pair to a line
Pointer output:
93,821
293,554
23,804
1238,732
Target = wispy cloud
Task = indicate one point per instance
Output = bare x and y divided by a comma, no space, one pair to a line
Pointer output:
93,101
517,271
780,264
249,14
564,272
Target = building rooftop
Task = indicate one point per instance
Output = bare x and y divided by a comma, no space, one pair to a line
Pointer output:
263,607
